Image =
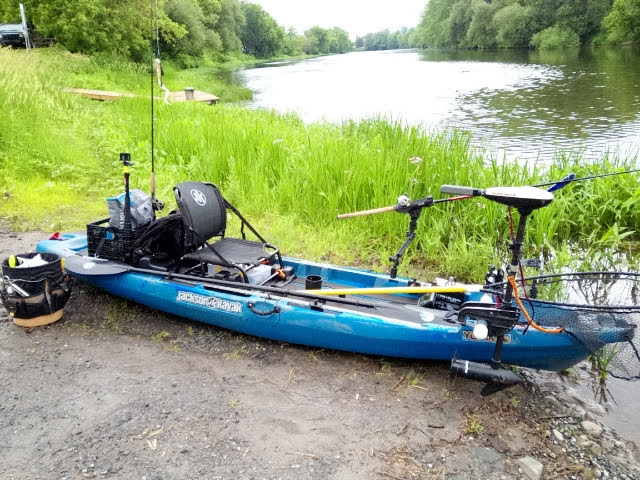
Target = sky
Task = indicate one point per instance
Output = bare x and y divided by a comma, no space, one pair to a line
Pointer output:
357,17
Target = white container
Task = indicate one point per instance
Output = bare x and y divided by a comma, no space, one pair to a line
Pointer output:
258,275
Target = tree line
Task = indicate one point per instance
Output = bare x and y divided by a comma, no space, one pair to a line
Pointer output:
541,24
187,30
388,40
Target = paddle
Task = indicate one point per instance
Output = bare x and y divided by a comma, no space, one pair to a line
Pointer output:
80,265
91,266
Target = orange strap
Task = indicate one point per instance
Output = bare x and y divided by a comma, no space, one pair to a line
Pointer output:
514,286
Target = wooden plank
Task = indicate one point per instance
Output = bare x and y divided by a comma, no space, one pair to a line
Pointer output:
98,94
179,96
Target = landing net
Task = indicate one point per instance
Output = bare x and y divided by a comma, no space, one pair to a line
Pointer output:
599,309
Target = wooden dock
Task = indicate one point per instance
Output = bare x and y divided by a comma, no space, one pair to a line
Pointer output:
190,94
187,95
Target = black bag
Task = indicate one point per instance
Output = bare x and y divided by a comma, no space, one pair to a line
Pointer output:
46,287
162,243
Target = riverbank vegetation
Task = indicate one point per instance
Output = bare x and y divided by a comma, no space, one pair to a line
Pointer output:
541,24
190,32
59,161
388,40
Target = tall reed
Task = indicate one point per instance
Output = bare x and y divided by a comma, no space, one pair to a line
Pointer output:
59,157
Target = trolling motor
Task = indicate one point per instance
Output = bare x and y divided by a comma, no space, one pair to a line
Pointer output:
497,321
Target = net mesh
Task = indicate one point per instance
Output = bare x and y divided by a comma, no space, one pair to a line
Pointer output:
599,309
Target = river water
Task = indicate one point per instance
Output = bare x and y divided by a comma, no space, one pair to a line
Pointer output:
522,104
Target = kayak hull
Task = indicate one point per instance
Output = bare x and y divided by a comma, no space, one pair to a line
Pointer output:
380,326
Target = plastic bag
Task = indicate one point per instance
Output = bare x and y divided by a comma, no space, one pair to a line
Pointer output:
141,209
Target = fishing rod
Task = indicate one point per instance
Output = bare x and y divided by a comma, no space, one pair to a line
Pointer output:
404,202
567,180
157,204
414,209
405,205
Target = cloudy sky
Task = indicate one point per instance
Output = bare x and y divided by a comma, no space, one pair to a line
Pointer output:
358,17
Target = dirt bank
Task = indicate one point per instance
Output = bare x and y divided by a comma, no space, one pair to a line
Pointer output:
115,390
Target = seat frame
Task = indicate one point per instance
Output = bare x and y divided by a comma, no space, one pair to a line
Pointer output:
198,239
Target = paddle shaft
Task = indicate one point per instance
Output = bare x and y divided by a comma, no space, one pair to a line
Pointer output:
78,265
389,290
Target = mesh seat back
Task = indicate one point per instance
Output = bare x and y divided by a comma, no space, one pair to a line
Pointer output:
203,209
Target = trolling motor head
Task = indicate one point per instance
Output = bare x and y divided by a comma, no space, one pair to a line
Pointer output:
525,199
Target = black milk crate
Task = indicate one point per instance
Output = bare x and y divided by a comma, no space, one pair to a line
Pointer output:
106,241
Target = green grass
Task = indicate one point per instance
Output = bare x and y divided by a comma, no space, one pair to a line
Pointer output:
59,161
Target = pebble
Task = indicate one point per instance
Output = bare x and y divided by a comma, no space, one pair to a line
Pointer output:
583,440
558,435
531,467
595,449
591,429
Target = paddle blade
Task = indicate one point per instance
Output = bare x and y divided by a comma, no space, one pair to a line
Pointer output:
82,266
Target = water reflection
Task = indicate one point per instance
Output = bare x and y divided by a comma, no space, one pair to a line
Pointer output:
519,103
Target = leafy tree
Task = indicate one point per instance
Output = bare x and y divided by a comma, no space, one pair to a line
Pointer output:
507,23
189,29
387,40
377,40
481,32
189,14
261,36
434,25
293,43
310,45
513,25
230,25
583,17
321,44
121,27
623,23
458,22
344,43
359,43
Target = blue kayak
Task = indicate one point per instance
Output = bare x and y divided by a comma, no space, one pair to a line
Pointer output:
387,325
247,286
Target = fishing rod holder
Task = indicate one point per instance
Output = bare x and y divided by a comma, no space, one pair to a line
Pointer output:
157,204
125,158
414,209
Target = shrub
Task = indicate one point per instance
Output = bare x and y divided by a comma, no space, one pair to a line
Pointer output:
554,38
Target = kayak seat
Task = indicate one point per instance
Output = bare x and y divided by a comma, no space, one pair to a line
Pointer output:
204,213
235,251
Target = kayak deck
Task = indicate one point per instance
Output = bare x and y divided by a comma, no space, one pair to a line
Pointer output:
387,325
